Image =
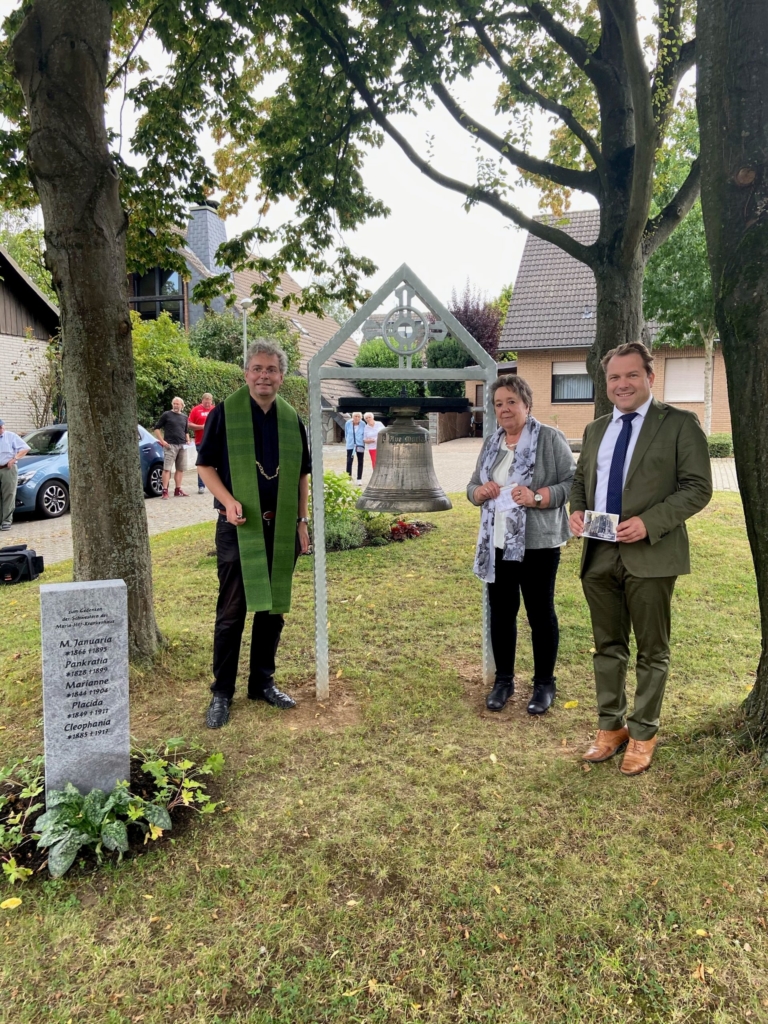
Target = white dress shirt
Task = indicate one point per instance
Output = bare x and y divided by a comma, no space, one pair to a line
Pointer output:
607,446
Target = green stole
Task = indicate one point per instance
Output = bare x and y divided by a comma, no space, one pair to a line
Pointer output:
263,594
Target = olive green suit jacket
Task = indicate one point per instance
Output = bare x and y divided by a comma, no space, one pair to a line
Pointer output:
669,480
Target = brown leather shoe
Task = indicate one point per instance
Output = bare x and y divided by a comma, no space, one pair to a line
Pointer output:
607,743
638,756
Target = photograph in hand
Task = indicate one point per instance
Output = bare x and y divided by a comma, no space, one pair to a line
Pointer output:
600,525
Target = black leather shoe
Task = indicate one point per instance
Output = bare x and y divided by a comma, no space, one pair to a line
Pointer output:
500,694
218,711
275,697
542,697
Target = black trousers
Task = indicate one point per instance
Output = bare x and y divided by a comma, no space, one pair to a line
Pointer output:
350,457
230,619
535,577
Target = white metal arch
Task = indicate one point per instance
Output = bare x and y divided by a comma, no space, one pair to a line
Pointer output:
403,280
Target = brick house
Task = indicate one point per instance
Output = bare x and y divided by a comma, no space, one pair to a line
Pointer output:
551,326
28,320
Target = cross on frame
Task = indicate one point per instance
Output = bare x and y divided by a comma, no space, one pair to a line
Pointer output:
406,286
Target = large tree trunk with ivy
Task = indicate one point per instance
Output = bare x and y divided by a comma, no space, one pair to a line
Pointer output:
733,118
61,55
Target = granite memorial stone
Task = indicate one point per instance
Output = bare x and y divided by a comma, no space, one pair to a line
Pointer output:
85,684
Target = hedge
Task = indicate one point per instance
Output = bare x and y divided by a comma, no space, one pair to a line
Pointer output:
189,378
720,446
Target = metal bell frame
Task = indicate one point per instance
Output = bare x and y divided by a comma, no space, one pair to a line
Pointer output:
405,331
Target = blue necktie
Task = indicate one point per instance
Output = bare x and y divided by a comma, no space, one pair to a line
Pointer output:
616,474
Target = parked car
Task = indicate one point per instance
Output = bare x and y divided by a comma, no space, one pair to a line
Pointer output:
43,484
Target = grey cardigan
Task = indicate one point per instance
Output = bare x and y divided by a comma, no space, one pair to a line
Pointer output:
554,468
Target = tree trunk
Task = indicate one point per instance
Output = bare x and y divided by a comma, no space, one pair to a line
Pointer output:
733,117
708,337
61,55
619,318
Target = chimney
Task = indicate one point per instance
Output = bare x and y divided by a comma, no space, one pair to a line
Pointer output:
205,233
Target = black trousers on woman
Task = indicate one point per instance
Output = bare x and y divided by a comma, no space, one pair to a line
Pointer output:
230,619
351,453
535,577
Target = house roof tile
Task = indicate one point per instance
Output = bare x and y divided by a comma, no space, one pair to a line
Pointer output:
554,299
314,332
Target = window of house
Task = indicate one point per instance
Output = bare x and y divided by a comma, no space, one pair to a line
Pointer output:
684,379
299,327
572,383
155,292
480,395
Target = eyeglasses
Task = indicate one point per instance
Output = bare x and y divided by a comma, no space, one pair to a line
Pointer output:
271,371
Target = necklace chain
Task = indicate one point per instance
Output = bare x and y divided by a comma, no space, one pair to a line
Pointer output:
265,474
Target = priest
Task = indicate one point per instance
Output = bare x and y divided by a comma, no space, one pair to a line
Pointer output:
254,459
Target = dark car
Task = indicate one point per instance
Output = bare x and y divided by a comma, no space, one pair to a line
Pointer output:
43,484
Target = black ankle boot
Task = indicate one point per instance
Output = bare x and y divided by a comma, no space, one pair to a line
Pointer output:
502,690
542,696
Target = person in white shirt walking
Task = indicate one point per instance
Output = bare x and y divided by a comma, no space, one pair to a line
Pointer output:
370,433
12,448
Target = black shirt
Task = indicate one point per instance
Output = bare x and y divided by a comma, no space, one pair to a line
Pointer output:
173,426
213,451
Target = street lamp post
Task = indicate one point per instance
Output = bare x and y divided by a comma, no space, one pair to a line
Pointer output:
246,305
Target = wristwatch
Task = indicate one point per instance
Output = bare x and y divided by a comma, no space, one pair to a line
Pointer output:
537,498
302,519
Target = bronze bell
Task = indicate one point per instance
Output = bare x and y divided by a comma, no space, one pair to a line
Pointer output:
404,478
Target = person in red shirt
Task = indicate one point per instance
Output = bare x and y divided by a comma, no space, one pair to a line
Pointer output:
197,417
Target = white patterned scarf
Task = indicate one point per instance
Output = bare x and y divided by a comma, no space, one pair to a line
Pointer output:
520,472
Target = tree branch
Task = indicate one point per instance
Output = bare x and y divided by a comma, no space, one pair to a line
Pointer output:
625,13
473,193
518,83
673,59
119,70
583,181
572,44
659,229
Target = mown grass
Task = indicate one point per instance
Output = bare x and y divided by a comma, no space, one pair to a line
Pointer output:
374,862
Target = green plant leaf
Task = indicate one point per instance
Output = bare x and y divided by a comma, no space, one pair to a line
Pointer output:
157,815
213,764
93,806
14,872
62,855
114,836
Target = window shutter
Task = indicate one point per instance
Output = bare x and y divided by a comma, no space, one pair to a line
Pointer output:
684,379
569,368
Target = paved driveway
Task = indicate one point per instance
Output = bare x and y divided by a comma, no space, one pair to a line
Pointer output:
454,463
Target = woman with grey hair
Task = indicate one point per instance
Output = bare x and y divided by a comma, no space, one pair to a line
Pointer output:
522,481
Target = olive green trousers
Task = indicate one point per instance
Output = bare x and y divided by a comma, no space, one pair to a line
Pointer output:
619,602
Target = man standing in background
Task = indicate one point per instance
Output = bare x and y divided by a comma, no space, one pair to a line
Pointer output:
175,434
12,448
197,417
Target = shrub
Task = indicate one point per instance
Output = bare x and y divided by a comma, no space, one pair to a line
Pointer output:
374,353
340,493
166,367
720,446
344,531
447,354
219,336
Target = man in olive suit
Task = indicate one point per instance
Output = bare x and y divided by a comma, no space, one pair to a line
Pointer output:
647,462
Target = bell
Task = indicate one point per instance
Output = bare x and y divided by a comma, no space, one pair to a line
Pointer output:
404,478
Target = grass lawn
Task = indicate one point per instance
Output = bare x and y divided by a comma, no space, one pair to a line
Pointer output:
400,854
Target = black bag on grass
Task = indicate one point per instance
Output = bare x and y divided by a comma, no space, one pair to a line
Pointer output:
18,565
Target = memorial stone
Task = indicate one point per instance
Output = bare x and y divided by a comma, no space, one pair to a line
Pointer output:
85,684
